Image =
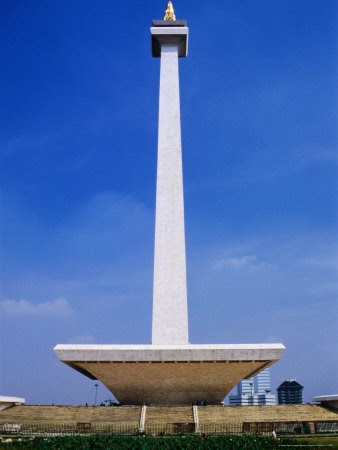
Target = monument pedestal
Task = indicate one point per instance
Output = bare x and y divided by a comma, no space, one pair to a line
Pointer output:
169,374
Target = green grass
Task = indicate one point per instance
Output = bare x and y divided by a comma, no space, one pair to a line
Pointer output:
163,443
321,440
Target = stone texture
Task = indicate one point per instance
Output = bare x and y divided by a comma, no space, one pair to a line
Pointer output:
170,315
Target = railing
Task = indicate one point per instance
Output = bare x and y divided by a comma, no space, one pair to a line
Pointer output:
133,428
220,428
69,428
169,428
326,427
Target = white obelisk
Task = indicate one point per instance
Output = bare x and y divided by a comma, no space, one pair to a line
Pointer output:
170,312
170,371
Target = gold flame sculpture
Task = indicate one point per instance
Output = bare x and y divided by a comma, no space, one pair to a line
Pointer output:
169,12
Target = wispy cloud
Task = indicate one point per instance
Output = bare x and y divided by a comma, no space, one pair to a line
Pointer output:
55,308
241,262
321,263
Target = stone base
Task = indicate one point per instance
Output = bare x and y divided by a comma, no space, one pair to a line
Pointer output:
169,374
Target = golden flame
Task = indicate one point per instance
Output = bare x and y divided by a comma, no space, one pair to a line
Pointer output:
169,12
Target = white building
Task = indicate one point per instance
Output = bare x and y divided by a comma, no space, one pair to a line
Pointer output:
254,391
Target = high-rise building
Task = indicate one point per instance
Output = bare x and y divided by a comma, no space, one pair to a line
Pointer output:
290,393
254,391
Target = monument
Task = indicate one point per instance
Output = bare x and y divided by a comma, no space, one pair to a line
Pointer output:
170,370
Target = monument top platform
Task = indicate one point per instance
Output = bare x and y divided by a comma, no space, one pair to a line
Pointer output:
169,23
164,32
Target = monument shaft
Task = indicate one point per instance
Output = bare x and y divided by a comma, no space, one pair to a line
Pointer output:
170,316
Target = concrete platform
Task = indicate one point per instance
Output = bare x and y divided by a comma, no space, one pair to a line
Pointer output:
169,374
7,402
169,35
330,401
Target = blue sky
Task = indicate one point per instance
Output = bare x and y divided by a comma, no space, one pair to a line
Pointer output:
78,138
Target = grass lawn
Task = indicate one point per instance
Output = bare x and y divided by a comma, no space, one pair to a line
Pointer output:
321,440
191,442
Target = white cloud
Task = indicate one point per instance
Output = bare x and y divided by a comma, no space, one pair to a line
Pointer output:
240,262
55,308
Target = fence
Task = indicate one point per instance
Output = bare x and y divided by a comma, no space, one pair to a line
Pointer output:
69,428
132,428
